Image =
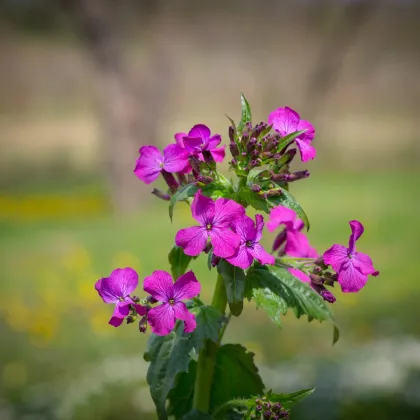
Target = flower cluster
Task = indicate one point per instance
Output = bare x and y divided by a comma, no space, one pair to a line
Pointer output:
267,409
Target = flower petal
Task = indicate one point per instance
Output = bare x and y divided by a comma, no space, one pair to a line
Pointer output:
181,312
350,278
192,239
364,263
161,319
245,227
224,241
121,310
242,258
357,230
213,142
202,209
218,153
159,285
307,152
281,215
119,284
300,275
309,135
284,120
140,309
193,144
336,256
186,287
226,211
149,164
201,131
261,255
259,222
105,291
179,139
175,158
297,245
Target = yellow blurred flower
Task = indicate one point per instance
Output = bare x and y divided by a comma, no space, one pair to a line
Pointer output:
43,326
126,259
77,260
14,374
99,322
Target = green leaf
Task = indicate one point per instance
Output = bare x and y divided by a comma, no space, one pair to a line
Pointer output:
209,321
197,415
265,132
253,174
286,140
276,290
336,334
179,261
246,113
287,200
182,194
246,195
234,278
209,259
289,400
235,375
216,189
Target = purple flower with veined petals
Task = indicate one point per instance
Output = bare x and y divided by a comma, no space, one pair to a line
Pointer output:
215,218
152,161
297,244
352,267
116,289
249,248
199,139
286,121
161,287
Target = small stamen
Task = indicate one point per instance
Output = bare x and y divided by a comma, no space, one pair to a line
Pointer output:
249,244
208,226
171,302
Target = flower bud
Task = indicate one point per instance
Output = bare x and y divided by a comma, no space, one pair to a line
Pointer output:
320,262
258,407
214,260
195,163
231,134
234,149
136,299
255,188
209,159
160,194
151,300
143,324
130,319
205,179
316,279
290,177
267,414
182,179
170,180
289,155
328,296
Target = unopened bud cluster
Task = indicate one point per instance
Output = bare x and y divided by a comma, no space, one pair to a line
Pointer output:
266,409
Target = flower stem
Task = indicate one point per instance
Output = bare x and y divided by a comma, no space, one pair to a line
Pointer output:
207,357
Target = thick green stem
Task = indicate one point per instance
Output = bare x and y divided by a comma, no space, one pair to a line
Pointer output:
207,357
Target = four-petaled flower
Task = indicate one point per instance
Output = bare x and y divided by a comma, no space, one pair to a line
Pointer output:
215,218
352,267
249,248
152,162
297,244
199,139
286,121
116,289
161,287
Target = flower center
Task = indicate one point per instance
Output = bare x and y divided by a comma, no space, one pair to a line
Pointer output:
208,226
249,244
121,299
161,165
171,302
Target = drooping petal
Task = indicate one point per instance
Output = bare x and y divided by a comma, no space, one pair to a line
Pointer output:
121,310
159,285
193,144
300,275
224,241
259,222
309,135
161,319
226,211
281,215
336,256
140,309
364,263
202,209
179,139
105,291
297,245
284,120
186,287
307,151
149,164
192,239
218,153
175,158
213,142
350,278
261,255
124,281
201,131
242,258
357,230
245,227
280,240
181,312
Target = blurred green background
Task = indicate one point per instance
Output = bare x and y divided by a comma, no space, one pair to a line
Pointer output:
83,84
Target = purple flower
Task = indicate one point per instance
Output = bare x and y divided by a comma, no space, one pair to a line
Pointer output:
352,267
249,248
152,162
286,121
215,218
297,244
162,317
116,289
199,139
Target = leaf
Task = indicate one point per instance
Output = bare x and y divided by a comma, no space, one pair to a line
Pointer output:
253,174
286,140
234,278
245,194
265,131
197,415
287,200
336,334
209,321
289,400
209,259
235,130
182,194
179,261
235,375
246,113
217,189
276,290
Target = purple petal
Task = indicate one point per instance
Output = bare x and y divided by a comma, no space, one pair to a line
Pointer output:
181,312
336,256
121,310
175,158
218,153
280,239
242,258
192,239
105,291
186,287
226,211
350,278
159,285
201,131
307,152
141,310
224,241
149,164
261,255
115,321
193,144
119,284
309,135
281,215
161,319
300,275
364,263
213,142
202,209
245,227
284,120
179,139
357,230
259,219
297,245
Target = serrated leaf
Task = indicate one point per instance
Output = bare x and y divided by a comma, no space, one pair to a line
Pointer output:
186,191
289,400
234,279
246,115
179,261
276,290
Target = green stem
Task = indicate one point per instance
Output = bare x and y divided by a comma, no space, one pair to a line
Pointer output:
207,357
